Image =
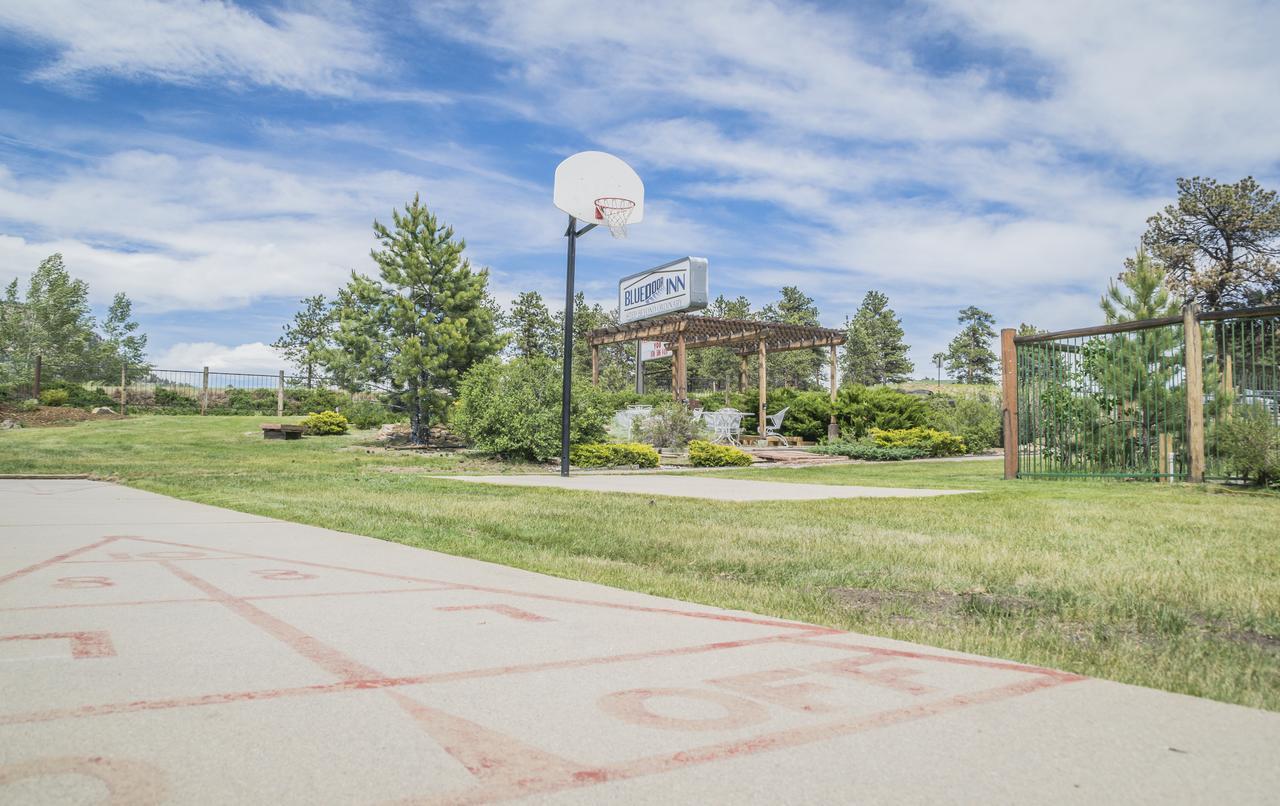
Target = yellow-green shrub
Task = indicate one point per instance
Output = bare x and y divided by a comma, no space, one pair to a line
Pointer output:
931,442
325,423
55,397
706,454
613,454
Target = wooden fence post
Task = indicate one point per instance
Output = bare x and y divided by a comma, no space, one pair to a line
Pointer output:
595,365
280,395
1009,382
35,386
204,393
124,395
1195,393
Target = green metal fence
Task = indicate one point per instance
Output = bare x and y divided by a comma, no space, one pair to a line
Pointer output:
1146,399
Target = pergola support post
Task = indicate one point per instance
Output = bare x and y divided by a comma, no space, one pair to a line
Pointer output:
680,383
595,365
742,373
833,430
763,384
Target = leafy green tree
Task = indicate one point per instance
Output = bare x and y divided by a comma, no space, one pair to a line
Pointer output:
875,352
123,343
513,409
969,355
306,339
1025,329
422,323
796,368
52,322
531,327
1218,243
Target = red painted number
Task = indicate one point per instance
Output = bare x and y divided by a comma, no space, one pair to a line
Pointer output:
84,582
283,575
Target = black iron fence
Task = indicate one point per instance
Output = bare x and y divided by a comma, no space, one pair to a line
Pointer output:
1154,399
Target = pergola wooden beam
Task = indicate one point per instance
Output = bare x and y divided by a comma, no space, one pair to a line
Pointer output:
685,332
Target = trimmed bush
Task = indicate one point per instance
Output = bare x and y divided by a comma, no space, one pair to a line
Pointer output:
325,423
860,409
513,409
669,425
55,397
706,454
931,442
868,450
975,419
613,454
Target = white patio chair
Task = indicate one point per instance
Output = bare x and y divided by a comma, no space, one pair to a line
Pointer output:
773,425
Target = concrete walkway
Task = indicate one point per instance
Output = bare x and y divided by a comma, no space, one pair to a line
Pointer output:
158,651
689,485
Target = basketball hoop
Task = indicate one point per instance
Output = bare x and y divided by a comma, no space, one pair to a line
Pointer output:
614,212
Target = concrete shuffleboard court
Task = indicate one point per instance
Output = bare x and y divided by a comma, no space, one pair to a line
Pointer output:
693,485
159,651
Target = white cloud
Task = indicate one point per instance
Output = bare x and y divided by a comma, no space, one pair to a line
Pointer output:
254,357
187,41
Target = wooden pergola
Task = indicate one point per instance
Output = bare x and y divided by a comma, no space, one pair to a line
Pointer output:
746,337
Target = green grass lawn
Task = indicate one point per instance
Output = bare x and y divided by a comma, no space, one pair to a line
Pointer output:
1175,587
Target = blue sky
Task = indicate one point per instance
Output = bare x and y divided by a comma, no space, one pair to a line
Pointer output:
217,161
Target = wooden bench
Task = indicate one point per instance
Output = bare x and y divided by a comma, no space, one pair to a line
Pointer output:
282,431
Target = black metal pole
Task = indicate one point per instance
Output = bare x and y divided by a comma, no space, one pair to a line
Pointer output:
567,377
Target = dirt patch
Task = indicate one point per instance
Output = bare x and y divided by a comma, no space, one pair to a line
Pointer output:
396,436
47,416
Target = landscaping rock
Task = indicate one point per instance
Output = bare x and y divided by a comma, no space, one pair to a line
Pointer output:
392,431
7,425
104,410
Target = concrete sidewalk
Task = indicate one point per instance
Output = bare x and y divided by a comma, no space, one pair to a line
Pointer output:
155,650
690,485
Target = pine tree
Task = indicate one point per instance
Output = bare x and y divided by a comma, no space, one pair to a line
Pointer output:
307,338
717,367
531,327
1141,294
122,342
422,323
875,352
796,368
969,355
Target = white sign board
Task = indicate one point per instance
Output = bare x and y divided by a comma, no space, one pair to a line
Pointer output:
680,285
653,350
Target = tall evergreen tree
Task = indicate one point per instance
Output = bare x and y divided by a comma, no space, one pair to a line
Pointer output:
1219,244
969,355
422,323
56,324
531,327
875,352
307,338
796,368
1141,293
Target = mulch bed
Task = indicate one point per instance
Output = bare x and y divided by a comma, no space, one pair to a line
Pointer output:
46,416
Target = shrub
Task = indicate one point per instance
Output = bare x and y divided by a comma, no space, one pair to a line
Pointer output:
706,454
300,400
808,415
1250,444
368,414
613,454
976,419
669,425
931,442
325,423
55,397
860,409
173,399
513,409
28,405
868,450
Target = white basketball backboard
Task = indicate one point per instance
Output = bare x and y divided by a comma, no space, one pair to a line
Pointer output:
591,175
